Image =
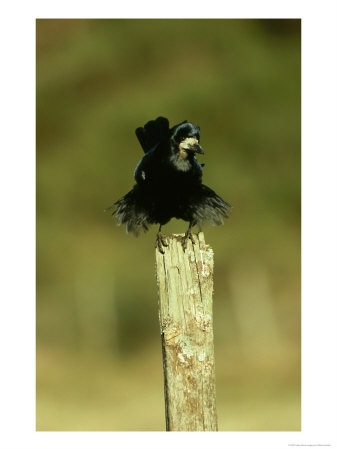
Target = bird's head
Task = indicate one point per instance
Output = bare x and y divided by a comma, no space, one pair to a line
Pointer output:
185,139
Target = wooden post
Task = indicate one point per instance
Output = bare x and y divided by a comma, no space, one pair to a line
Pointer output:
185,282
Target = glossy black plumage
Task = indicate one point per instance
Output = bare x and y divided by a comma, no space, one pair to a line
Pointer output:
169,182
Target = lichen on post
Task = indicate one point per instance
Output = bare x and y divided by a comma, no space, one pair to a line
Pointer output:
185,283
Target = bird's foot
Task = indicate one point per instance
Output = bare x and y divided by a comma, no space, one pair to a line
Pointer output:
161,242
188,235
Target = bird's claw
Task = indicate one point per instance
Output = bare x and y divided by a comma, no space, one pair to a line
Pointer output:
160,242
188,235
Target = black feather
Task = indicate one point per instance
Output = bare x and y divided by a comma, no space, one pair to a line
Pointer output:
152,133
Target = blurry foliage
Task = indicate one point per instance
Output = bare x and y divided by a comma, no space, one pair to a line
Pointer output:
98,344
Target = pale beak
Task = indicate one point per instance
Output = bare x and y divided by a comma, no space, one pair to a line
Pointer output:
198,149
191,144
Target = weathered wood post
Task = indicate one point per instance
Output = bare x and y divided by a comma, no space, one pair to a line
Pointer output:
185,282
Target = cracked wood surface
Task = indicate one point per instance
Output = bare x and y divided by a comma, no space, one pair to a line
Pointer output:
185,284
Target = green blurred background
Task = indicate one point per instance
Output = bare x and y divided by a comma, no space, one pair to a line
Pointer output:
98,344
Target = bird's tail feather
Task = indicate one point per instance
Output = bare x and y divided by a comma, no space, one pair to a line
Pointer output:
207,206
128,211
152,133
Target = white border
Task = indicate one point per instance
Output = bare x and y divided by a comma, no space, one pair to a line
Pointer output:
17,326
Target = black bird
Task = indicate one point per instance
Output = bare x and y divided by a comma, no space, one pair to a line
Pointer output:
168,183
